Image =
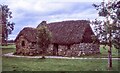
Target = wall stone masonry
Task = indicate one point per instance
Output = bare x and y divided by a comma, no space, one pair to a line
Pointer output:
28,49
75,50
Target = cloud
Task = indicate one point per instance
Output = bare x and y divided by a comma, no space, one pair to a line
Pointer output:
29,13
58,0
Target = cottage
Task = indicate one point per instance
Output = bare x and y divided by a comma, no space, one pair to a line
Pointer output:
69,38
72,38
26,42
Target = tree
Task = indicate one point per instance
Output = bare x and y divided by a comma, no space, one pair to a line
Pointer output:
7,26
43,39
108,29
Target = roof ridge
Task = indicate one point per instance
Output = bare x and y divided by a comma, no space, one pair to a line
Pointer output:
68,21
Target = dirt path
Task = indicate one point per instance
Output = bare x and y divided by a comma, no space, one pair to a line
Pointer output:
58,57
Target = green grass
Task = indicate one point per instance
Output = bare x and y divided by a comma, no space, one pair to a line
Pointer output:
104,53
8,49
25,64
9,46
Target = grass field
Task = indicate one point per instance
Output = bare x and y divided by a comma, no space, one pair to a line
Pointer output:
25,64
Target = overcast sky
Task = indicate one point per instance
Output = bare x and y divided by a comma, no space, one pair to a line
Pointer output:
29,13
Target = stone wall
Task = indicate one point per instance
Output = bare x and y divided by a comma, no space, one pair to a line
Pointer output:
28,49
85,49
75,50
50,50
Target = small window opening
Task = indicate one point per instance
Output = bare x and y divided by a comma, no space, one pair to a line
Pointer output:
23,43
33,45
68,47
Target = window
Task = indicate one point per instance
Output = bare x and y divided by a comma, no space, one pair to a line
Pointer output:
23,43
33,45
68,47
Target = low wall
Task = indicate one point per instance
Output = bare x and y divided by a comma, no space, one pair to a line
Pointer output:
75,50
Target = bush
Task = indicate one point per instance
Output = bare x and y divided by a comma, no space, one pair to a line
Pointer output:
43,38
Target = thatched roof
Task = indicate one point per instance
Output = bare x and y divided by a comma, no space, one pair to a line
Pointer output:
28,33
68,32
64,33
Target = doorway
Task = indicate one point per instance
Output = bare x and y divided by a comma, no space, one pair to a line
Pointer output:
55,49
